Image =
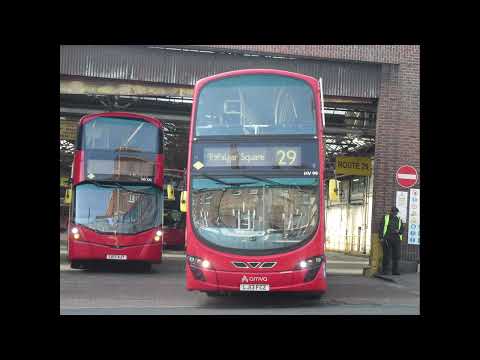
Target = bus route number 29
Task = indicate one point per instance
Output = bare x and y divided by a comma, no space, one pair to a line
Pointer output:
286,157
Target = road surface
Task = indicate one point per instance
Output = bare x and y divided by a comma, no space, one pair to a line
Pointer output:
123,290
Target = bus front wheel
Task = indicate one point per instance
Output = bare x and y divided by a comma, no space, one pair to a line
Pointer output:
144,267
216,293
313,295
147,267
75,264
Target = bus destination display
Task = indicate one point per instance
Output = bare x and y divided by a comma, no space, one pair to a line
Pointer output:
267,156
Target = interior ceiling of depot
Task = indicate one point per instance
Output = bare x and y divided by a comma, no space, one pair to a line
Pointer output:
349,128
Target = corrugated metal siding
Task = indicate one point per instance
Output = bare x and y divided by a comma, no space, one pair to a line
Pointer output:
141,63
385,54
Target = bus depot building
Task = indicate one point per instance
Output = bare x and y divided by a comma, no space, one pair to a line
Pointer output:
372,121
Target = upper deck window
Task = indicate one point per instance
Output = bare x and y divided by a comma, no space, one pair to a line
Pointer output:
121,134
121,149
255,105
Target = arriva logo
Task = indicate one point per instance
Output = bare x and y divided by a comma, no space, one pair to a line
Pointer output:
254,278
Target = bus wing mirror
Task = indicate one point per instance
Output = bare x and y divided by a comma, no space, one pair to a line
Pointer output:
333,190
65,181
68,196
170,192
183,201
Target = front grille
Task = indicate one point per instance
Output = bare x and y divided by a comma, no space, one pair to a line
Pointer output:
268,265
239,264
254,264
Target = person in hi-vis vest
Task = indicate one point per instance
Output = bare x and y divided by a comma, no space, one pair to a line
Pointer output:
390,234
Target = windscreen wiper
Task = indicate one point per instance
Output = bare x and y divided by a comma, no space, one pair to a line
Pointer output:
128,149
116,185
132,191
134,133
224,182
273,182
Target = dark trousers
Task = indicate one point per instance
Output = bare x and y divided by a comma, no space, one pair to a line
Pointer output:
391,250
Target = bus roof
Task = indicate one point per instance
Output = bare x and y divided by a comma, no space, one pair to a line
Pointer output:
119,114
309,79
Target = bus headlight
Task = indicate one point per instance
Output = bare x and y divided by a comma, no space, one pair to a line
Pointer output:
198,262
74,230
313,265
310,263
158,234
76,236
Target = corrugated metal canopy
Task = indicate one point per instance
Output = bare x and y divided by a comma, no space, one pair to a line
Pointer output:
176,67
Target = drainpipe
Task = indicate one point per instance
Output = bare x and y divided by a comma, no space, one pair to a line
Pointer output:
359,238
365,215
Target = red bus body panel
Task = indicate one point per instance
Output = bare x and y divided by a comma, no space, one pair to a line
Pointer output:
223,276
158,179
78,167
96,246
174,237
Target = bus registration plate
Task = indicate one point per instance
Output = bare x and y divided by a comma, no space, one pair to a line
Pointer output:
116,257
254,287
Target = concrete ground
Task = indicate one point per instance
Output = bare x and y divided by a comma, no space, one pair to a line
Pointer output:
122,290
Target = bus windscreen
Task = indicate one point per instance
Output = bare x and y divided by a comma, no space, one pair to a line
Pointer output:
118,209
260,104
251,214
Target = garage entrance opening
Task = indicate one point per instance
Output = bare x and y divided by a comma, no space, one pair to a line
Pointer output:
349,131
349,152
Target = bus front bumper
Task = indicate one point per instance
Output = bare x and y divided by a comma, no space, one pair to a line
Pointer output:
80,250
229,281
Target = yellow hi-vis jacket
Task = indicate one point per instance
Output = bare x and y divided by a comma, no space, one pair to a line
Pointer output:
385,226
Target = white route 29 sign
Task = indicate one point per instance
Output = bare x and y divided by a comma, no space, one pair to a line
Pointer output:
414,217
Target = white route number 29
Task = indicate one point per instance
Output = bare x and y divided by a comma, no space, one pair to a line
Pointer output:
286,157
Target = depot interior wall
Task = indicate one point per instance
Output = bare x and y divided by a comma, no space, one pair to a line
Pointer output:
344,218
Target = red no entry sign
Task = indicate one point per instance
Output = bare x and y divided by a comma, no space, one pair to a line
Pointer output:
407,176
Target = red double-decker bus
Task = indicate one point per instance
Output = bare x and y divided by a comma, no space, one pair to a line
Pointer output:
255,200
173,223
174,228
116,211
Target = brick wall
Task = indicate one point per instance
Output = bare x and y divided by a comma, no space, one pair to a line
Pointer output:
398,117
397,139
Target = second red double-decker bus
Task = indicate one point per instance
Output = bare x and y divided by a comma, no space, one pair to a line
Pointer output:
173,223
255,201
117,199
